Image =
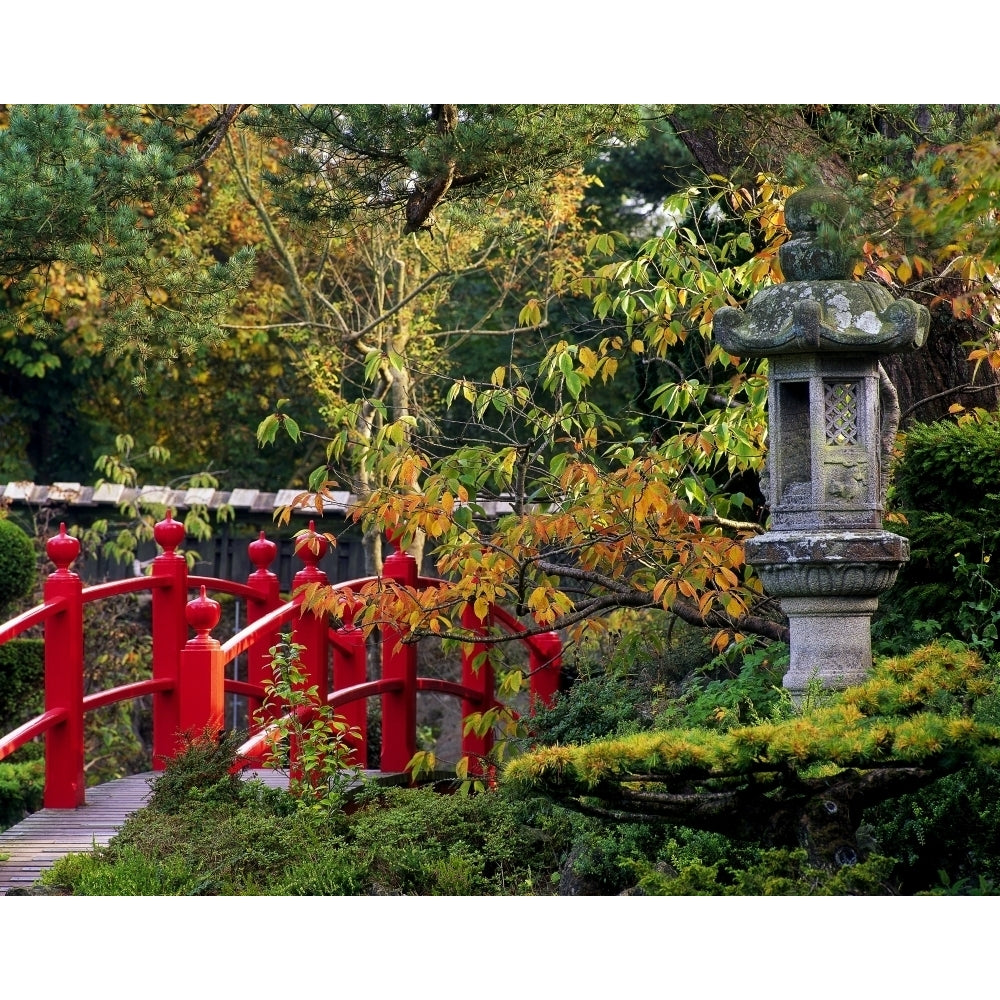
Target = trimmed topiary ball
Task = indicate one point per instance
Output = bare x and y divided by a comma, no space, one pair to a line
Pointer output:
17,563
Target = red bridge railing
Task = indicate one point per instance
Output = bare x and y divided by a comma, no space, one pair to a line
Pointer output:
189,683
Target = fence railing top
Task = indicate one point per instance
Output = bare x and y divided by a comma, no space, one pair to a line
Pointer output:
241,499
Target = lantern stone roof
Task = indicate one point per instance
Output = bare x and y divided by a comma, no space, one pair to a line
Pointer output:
820,309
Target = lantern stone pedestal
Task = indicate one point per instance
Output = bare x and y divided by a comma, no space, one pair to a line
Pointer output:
828,583
831,423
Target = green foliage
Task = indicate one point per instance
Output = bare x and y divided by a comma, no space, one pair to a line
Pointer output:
203,767
739,687
950,827
308,737
130,874
420,842
945,487
101,190
603,858
637,177
775,872
21,788
601,705
914,718
617,681
948,466
18,572
374,155
22,672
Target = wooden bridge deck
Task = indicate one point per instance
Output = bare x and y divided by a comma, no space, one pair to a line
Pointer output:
49,834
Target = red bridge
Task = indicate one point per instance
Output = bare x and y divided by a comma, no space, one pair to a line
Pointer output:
189,673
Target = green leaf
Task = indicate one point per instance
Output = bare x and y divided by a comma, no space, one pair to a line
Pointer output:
267,429
373,361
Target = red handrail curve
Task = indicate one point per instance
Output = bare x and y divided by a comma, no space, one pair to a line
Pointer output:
26,733
248,636
28,619
124,692
219,586
116,588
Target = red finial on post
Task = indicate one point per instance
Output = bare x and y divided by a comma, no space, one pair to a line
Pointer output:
266,598
203,615
311,628
62,549
310,547
169,534
170,632
262,553
395,536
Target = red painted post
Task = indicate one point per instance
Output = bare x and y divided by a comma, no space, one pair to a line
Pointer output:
64,782
350,667
477,672
310,630
545,666
202,674
169,636
399,662
267,598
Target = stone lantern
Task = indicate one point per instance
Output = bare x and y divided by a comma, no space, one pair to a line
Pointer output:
832,420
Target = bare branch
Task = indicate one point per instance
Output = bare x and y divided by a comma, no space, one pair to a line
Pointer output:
215,131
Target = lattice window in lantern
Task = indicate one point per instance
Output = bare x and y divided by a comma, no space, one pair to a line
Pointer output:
841,409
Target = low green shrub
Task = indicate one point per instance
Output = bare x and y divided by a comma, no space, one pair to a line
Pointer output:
17,564
203,767
422,842
946,487
596,706
22,681
774,872
21,788
739,687
126,872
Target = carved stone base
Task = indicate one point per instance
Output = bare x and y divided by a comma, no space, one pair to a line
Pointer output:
829,640
829,584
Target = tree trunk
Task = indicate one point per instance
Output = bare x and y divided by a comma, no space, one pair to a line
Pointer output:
940,374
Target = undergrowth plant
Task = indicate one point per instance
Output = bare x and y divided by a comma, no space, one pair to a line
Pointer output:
307,737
